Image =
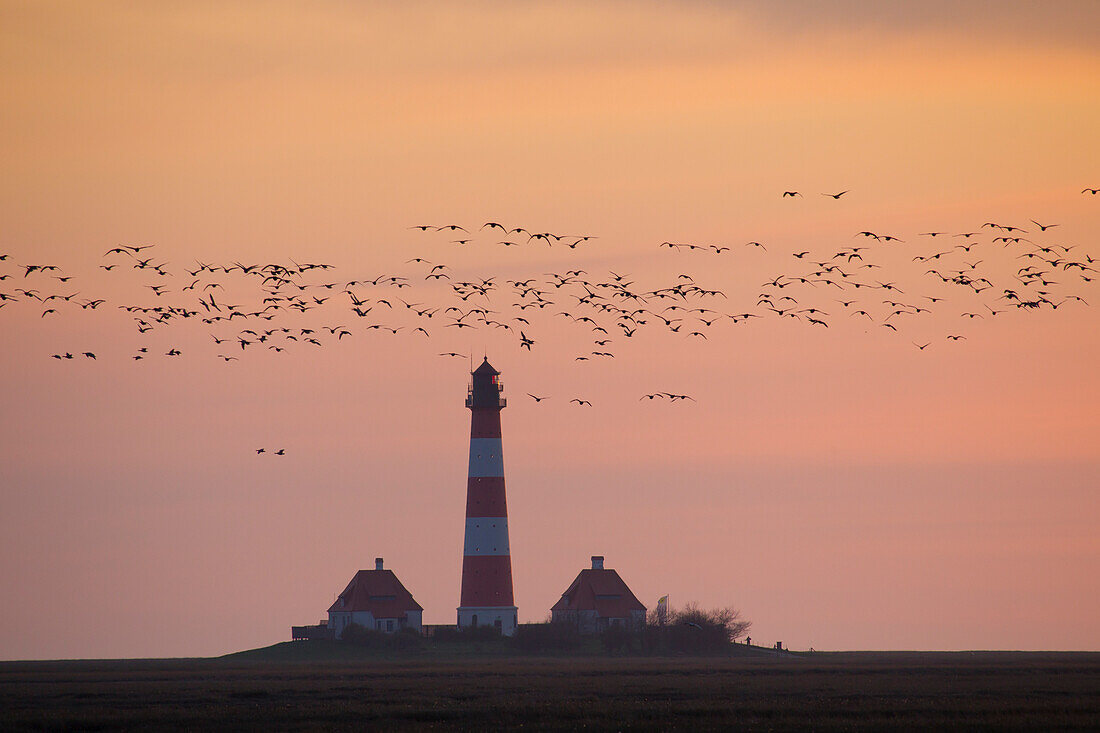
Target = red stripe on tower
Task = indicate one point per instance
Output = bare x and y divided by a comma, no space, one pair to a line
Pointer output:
486,561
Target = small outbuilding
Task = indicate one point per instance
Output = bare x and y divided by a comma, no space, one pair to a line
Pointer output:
597,599
376,600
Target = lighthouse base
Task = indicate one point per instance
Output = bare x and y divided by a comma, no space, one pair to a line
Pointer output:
502,617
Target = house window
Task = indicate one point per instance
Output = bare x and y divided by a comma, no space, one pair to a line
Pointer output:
389,624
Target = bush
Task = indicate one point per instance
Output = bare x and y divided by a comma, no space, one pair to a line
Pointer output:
692,630
361,636
547,637
406,640
616,638
446,635
480,633
403,640
455,635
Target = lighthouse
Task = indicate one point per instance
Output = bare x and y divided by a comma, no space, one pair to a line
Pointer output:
486,562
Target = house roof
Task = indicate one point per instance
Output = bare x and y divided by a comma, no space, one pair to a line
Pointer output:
602,591
377,591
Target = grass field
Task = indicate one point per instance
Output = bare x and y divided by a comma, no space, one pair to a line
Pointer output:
328,687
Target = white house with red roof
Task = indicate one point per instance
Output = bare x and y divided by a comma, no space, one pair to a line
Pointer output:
597,599
376,600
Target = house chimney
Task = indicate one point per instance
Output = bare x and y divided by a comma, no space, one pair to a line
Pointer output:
597,562
377,563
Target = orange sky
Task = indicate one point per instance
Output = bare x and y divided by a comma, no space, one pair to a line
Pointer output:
841,487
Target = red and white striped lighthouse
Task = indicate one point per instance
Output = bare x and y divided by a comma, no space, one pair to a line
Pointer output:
486,562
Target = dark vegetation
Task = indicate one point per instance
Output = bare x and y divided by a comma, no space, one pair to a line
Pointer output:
327,686
688,631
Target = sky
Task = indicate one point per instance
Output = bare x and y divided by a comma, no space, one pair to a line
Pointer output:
843,486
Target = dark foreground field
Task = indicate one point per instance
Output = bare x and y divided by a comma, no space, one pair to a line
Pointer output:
283,689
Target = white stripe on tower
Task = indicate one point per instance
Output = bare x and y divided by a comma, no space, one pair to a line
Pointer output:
486,457
486,536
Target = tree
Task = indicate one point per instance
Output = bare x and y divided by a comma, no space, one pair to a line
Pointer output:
728,619
697,631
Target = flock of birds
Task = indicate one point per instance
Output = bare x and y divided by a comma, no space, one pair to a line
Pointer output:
276,306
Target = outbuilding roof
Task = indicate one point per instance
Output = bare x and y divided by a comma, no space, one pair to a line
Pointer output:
377,591
602,591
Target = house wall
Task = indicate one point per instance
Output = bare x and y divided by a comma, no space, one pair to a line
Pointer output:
339,620
590,622
488,616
